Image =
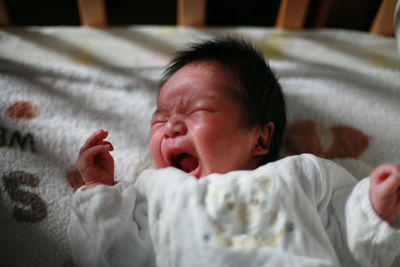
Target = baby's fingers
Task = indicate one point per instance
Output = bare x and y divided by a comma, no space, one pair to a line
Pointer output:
93,140
87,157
102,142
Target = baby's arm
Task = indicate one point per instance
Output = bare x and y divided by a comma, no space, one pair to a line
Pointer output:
349,218
109,227
108,224
95,163
371,212
385,192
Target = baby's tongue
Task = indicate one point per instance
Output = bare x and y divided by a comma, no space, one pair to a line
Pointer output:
188,163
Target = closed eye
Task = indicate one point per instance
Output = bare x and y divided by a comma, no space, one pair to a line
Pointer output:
201,110
153,123
157,119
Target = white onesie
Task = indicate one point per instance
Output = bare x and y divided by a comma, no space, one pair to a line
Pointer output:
298,211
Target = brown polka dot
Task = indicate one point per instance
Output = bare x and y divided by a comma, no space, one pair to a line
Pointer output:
74,179
21,110
301,137
329,142
347,143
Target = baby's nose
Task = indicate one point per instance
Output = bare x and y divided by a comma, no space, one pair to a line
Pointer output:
175,127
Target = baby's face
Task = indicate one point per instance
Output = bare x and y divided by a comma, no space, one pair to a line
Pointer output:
197,126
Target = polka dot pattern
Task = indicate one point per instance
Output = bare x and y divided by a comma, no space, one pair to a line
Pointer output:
22,110
337,141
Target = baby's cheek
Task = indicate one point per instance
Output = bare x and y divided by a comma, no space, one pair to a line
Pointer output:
203,136
155,147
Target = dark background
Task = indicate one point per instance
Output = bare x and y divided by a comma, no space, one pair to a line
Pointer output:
348,14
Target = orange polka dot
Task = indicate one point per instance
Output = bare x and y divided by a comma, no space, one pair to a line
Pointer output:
21,110
307,137
74,179
347,143
301,137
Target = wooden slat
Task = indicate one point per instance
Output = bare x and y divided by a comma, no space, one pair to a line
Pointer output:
92,13
4,18
191,13
292,14
383,22
322,13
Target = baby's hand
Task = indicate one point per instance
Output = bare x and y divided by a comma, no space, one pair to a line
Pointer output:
95,163
385,192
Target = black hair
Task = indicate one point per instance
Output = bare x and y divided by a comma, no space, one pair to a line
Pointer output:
256,88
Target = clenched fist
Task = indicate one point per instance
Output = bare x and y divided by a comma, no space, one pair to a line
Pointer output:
385,192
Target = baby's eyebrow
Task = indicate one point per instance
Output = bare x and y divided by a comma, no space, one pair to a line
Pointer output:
184,104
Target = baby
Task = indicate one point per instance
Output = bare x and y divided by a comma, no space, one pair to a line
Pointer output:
220,117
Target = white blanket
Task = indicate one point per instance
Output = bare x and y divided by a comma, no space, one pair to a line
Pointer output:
46,114
48,109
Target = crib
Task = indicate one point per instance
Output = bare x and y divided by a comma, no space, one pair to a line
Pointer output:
60,82
291,14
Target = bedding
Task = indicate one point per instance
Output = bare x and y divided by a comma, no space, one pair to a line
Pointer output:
59,84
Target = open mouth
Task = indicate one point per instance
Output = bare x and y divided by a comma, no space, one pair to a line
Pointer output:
185,162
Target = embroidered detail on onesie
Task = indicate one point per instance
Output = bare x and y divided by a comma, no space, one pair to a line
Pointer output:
250,241
243,212
207,237
289,227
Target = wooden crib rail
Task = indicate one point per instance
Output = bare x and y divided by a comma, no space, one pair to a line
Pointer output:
92,13
383,23
291,14
4,19
191,13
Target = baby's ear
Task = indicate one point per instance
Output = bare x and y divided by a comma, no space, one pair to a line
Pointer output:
264,139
